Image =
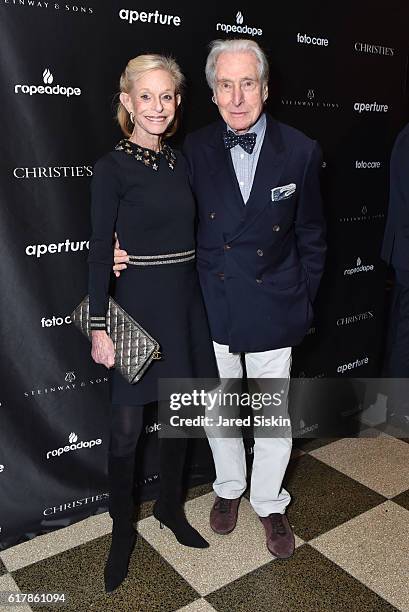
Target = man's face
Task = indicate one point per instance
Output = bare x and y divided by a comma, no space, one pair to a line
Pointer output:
238,92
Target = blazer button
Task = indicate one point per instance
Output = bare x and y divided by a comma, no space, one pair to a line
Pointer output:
212,215
260,253
259,280
227,247
276,228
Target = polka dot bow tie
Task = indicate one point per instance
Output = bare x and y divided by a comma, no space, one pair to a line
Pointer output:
246,141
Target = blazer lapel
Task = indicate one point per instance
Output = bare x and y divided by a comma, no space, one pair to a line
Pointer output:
270,166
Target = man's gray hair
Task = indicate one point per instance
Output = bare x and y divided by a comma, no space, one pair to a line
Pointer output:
237,45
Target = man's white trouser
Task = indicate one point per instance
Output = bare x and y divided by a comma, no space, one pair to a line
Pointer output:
271,455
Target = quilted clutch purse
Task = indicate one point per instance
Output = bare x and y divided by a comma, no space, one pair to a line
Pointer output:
135,349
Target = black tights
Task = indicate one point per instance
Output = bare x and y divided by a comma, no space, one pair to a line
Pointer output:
126,428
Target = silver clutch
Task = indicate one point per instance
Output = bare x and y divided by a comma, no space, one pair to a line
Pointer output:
135,349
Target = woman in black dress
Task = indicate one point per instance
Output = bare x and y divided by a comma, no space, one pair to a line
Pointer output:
141,191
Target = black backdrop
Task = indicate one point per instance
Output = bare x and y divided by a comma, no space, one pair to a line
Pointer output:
328,62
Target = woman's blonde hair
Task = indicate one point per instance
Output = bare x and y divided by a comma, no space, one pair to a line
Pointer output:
135,68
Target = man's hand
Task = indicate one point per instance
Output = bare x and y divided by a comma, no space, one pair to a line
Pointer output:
120,259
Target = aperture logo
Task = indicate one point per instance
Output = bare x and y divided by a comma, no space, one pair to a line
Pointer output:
239,27
151,17
359,268
370,107
311,101
48,88
341,369
355,318
306,39
362,47
38,250
73,446
39,172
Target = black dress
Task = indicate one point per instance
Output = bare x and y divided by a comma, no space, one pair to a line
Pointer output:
146,197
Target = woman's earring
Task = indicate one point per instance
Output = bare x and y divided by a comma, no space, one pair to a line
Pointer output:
132,117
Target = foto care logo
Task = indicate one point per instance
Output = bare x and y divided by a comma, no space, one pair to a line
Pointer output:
152,17
355,318
152,428
84,501
359,268
47,88
72,446
55,321
367,165
239,27
370,107
306,39
38,172
37,250
341,369
362,47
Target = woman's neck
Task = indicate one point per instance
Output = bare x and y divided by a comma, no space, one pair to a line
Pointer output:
146,141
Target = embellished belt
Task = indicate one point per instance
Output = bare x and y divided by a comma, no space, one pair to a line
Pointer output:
160,260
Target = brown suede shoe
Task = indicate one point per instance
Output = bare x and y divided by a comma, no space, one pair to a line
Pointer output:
279,535
223,515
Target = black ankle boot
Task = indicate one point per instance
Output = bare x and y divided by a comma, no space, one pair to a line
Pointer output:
168,509
120,473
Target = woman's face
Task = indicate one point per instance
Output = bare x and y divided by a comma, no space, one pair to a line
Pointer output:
153,102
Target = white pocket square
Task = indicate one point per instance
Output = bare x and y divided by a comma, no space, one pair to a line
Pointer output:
283,192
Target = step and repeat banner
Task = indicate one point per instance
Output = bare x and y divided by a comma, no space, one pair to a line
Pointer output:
337,72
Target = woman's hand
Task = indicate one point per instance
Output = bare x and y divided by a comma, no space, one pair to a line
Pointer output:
120,258
102,351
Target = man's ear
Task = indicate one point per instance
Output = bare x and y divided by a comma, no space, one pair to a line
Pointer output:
265,92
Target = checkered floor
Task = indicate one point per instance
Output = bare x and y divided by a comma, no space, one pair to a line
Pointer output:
350,514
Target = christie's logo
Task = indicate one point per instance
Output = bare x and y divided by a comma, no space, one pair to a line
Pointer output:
373,49
56,321
310,100
73,446
75,9
48,88
370,107
37,172
151,17
84,501
239,27
341,369
359,268
61,247
356,318
306,39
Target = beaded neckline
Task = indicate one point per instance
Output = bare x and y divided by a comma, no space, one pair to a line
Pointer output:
148,157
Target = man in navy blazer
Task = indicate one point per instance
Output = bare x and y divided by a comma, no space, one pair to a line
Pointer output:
260,257
395,251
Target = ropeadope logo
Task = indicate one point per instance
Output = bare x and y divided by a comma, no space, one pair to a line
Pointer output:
152,17
73,446
239,27
48,88
359,268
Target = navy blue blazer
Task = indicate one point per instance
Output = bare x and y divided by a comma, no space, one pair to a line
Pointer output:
395,248
259,263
